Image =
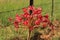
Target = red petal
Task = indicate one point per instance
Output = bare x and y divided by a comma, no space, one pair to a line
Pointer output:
31,28
26,15
26,23
37,22
40,16
10,19
24,9
31,8
16,24
18,18
44,25
46,16
39,10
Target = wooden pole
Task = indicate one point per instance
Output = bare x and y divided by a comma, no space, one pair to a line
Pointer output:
52,11
31,4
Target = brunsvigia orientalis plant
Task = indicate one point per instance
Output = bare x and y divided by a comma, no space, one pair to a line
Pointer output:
33,20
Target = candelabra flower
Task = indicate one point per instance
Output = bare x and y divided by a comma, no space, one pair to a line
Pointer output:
36,18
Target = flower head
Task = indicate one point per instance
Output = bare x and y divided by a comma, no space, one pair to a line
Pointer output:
26,15
39,10
10,19
24,10
18,18
16,24
37,22
40,17
31,28
26,23
44,25
46,15
31,8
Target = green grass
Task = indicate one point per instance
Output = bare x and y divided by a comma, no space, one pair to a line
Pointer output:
7,5
9,33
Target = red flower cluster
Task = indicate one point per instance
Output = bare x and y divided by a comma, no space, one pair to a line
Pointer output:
31,20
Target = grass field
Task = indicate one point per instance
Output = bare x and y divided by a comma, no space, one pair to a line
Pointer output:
8,5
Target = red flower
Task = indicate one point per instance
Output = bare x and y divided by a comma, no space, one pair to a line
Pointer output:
10,19
26,23
44,25
46,20
26,15
30,17
37,22
40,17
35,12
18,18
31,28
46,16
31,8
51,26
39,10
24,9
16,24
